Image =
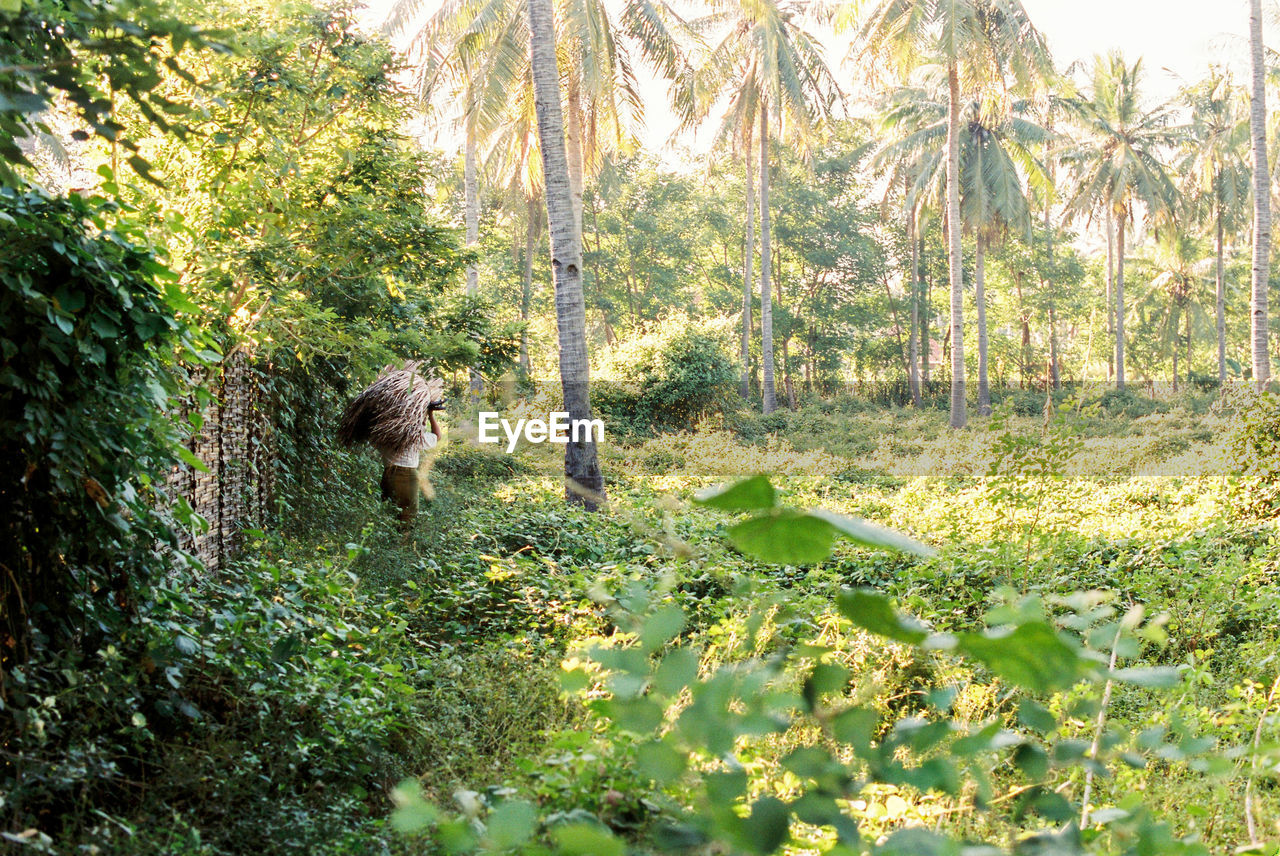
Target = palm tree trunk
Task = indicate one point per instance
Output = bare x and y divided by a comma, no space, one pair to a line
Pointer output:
748,285
913,376
1221,306
1120,301
958,414
925,346
1055,378
766,298
1188,322
1111,290
526,292
584,484
980,299
1261,201
573,150
471,190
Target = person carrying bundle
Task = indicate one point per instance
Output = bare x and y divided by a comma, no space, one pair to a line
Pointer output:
397,416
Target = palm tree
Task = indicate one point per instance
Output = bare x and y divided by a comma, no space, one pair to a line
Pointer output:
1116,162
996,153
584,483
764,62
980,43
1217,179
1172,301
1261,200
485,44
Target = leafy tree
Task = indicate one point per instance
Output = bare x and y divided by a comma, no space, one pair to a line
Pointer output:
996,157
981,43
584,483
95,55
89,335
1217,176
1117,162
765,60
1261,201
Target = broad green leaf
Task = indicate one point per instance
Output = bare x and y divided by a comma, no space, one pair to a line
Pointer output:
751,494
188,457
413,813
1036,717
660,762
873,612
825,678
768,825
870,535
581,839
678,669
511,824
855,727
661,626
788,537
1032,655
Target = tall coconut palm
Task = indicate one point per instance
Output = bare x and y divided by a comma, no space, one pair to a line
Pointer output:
1172,303
1216,174
980,43
996,157
584,483
1116,162
776,79
485,44
1261,200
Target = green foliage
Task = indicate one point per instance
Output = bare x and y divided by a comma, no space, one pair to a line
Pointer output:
690,724
1255,446
95,55
88,333
665,380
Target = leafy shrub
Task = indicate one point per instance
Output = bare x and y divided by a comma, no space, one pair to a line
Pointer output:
1255,446
88,333
1126,402
665,380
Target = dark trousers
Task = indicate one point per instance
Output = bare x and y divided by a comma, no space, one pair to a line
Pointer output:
400,484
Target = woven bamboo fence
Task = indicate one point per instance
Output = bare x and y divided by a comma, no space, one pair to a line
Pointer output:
235,443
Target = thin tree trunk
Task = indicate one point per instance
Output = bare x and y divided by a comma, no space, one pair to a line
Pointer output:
1120,301
925,345
958,415
471,189
766,306
526,292
1221,306
573,151
1261,201
1055,378
584,483
980,299
1111,290
913,376
1188,347
748,283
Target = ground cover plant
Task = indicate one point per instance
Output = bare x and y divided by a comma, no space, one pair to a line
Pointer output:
935,506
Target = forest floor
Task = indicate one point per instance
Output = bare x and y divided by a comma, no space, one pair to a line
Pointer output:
439,655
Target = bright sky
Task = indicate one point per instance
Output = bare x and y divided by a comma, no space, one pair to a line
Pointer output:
1178,39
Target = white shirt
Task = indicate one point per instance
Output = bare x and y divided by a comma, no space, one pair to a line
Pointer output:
412,456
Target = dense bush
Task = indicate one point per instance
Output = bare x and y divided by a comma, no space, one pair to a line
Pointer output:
665,380
1256,449
88,340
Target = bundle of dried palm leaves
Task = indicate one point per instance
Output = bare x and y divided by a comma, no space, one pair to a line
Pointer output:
392,412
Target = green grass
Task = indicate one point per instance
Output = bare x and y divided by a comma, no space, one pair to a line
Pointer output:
500,582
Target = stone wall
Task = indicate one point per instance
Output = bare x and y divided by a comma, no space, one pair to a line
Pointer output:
235,442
